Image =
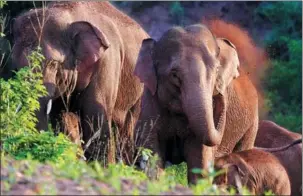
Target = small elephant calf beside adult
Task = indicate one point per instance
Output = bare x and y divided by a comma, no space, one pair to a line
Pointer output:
275,164
255,169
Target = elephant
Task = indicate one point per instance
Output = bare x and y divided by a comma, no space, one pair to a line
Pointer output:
70,126
92,48
272,135
256,169
194,92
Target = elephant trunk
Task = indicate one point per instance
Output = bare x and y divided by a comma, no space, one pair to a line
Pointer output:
206,115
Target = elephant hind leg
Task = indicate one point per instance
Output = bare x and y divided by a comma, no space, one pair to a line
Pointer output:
126,143
97,133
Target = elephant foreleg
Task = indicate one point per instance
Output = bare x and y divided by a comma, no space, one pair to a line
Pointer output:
148,138
248,139
125,138
96,123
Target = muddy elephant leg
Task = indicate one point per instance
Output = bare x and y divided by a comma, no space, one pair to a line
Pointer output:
96,119
97,133
196,155
248,139
155,171
126,134
148,139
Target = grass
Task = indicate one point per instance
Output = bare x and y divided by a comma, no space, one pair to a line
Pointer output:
115,179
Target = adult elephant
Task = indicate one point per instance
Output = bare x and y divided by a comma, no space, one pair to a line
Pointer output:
97,46
195,93
271,135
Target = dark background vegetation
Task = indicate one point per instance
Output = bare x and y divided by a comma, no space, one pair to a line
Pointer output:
275,26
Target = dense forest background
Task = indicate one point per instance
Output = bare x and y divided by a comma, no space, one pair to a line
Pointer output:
275,26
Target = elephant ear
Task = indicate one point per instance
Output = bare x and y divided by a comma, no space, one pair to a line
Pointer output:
145,69
234,168
235,174
229,62
87,42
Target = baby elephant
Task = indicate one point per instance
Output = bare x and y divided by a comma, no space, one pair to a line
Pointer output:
256,169
271,135
70,126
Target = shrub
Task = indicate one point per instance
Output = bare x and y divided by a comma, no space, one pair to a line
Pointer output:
19,102
284,45
19,98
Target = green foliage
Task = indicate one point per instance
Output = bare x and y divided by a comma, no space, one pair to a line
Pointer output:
284,45
43,147
178,173
177,12
285,17
19,98
19,102
2,3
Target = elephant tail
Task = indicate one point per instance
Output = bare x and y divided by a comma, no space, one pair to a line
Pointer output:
253,59
298,141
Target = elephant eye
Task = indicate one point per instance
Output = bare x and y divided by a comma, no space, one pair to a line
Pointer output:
174,75
175,78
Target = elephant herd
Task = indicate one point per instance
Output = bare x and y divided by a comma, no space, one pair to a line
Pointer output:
186,96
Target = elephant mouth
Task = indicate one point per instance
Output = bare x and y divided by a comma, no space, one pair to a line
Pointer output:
218,111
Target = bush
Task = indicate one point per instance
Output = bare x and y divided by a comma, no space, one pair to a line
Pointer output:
19,102
19,98
178,172
284,45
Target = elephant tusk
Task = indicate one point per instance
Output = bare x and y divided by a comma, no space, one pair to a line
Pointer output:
49,106
142,165
143,162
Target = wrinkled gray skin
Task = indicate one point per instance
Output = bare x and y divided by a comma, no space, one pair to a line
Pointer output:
96,46
271,135
191,94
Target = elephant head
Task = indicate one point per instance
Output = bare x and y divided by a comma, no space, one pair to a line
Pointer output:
236,172
189,70
71,47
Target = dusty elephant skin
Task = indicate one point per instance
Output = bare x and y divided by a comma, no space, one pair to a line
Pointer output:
258,170
95,46
195,93
271,135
